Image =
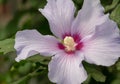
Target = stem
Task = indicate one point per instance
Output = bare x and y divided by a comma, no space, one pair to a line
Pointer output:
34,73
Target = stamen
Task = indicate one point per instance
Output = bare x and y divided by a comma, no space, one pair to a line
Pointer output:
69,43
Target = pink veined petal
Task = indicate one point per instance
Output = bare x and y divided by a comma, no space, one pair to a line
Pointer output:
91,15
102,52
103,48
108,29
31,42
60,14
67,69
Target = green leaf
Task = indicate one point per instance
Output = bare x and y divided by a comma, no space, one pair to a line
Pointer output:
7,45
118,66
30,75
87,81
116,79
98,76
25,68
95,72
39,58
112,6
115,15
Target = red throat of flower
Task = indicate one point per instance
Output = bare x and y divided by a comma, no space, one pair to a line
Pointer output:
70,44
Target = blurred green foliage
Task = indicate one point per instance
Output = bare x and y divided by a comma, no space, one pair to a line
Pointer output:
6,46
34,70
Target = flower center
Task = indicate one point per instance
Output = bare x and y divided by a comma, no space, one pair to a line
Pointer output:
69,43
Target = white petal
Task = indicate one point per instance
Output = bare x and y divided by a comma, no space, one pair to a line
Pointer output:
67,69
60,14
108,29
91,15
31,42
102,48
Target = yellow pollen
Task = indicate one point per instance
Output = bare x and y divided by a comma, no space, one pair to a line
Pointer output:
69,43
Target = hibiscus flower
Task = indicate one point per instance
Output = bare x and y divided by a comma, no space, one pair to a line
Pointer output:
90,36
